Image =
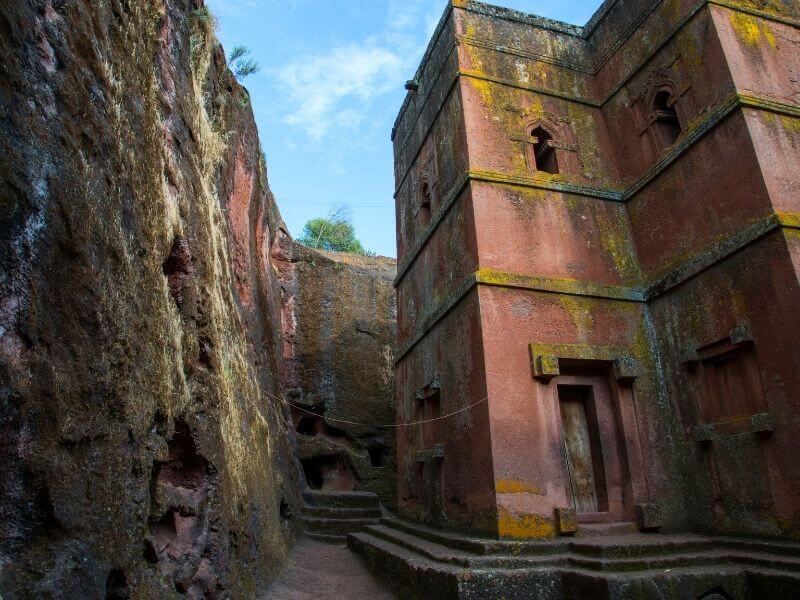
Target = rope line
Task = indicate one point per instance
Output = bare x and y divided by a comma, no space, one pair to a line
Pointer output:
398,425
395,425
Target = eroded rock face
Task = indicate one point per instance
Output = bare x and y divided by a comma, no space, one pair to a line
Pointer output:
339,315
143,439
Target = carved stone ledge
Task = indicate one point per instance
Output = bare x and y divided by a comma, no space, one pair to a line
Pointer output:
626,369
434,453
741,334
704,433
566,521
649,517
762,423
545,368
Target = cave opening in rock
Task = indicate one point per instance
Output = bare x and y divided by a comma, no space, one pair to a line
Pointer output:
117,585
329,473
186,467
285,510
164,530
312,425
177,268
378,455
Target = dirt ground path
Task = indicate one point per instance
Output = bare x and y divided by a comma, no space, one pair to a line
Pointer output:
318,571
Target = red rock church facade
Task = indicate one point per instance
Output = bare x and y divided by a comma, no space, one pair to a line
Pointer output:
598,258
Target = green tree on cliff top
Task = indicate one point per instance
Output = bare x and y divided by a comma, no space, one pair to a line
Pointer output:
332,233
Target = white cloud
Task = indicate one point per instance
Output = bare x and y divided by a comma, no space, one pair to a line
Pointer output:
321,89
334,91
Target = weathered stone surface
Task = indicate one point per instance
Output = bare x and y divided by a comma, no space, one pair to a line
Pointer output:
424,562
598,263
143,439
566,521
339,327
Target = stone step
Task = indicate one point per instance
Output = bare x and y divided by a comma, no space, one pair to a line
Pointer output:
648,563
765,560
446,554
473,544
635,545
424,577
606,529
640,545
337,512
421,546
778,547
420,576
327,538
336,526
619,563
774,583
341,499
630,553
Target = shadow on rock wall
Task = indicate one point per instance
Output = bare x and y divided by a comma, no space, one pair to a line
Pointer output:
339,329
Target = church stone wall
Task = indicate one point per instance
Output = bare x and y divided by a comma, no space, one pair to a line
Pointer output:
630,268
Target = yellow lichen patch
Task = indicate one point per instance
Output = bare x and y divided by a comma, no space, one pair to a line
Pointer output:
790,124
789,219
469,30
792,528
750,30
580,311
524,527
512,486
615,241
746,28
642,347
482,87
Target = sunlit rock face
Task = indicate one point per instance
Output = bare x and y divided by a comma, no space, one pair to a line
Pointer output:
143,440
339,330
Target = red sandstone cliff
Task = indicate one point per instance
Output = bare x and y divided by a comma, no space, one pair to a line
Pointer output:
143,440
339,315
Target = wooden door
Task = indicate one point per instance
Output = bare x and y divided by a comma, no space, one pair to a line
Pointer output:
578,448
432,493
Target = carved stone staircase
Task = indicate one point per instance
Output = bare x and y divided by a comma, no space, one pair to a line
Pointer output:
433,563
330,516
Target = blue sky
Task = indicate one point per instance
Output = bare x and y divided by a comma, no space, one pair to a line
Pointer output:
330,86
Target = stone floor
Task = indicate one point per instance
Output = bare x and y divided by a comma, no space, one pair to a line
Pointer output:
319,571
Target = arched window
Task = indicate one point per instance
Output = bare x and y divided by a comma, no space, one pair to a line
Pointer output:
544,151
664,120
425,204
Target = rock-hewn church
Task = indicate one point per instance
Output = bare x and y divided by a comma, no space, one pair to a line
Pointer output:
598,250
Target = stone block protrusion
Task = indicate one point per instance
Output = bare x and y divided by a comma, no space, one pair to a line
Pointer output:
435,452
566,521
689,356
545,368
625,369
704,433
649,517
762,423
741,334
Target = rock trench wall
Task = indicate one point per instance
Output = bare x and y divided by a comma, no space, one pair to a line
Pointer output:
339,316
143,437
